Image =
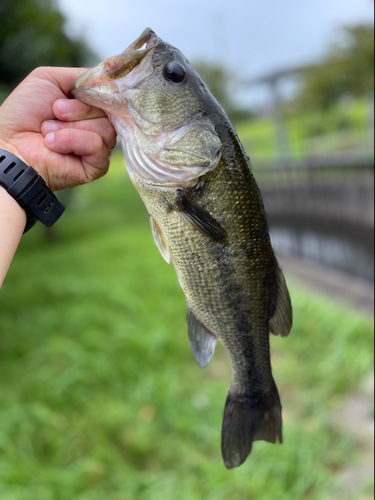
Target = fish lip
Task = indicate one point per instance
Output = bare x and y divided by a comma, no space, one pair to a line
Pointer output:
88,88
90,81
148,37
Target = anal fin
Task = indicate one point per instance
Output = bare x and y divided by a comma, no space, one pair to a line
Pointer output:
160,240
202,342
281,322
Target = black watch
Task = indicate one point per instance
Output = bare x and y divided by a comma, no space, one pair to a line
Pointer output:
29,190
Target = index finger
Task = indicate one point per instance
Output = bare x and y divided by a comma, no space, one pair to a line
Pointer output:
62,78
72,110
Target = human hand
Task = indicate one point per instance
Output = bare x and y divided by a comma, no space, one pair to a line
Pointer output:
64,140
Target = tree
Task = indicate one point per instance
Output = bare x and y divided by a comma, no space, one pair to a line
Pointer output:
221,85
33,34
347,69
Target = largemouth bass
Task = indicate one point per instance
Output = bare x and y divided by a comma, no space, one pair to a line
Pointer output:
207,217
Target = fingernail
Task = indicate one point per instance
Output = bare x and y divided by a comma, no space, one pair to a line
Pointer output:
63,106
50,126
50,138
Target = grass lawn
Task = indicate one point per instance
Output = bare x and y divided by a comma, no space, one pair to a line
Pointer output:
324,126
101,399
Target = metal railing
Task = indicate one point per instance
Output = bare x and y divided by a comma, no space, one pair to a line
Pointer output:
321,206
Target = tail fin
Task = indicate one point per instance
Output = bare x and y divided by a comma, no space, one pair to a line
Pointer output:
245,422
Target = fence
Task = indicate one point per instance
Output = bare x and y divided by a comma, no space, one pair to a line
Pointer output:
321,206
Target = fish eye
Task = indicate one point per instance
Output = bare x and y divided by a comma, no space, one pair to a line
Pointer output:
175,72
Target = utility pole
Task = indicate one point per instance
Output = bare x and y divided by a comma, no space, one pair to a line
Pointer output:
281,134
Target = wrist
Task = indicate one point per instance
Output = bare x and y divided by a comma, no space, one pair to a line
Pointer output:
12,225
11,210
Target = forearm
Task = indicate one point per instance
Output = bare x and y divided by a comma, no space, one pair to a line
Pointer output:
12,225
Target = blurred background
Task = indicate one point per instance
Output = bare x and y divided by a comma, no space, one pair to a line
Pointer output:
100,395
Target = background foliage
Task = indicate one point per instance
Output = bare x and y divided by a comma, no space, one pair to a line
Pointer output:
346,70
222,85
33,34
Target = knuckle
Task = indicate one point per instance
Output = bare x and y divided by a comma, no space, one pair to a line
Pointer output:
109,132
65,139
80,108
67,134
97,142
39,73
108,128
40,70
105,167
102,162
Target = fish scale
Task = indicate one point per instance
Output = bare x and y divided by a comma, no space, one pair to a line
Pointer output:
208,219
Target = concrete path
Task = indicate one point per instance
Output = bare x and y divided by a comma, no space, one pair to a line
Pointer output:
355,414
341,287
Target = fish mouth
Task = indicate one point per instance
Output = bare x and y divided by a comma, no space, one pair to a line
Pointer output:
148,37
99,86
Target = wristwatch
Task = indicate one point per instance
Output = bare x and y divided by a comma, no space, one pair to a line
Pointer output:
29,189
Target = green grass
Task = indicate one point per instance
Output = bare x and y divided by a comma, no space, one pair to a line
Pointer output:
259,137
100,397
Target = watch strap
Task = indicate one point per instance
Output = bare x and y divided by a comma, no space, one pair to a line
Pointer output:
31,220
29,189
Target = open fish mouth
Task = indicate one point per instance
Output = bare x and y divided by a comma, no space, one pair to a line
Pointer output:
119,66
148,37
102,82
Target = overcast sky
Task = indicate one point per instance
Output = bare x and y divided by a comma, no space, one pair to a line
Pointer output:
252,37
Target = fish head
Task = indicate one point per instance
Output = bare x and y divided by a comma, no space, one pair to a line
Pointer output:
157,104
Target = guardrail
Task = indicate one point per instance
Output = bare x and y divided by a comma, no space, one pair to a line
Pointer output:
323,210
339,189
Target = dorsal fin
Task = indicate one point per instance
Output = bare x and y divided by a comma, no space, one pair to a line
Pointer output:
281,322
160,240
202,342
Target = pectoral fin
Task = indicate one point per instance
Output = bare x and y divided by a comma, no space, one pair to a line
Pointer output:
202,342
199,218
281,321
160,240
